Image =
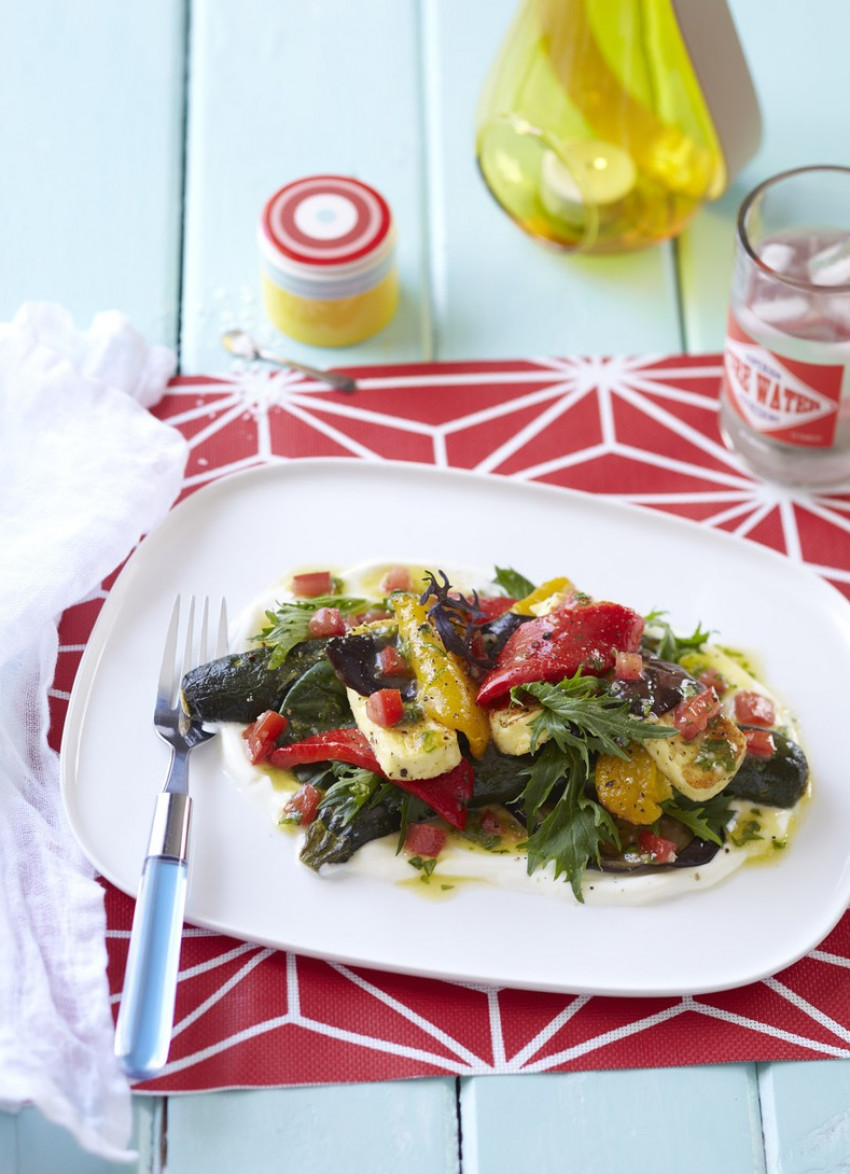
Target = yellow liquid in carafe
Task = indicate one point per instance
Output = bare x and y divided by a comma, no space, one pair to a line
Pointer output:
593,133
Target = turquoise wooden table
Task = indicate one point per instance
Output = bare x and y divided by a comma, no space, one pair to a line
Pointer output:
139,142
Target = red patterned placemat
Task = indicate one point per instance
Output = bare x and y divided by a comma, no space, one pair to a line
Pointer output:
640,429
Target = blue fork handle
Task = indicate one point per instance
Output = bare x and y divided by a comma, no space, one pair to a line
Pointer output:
146,1015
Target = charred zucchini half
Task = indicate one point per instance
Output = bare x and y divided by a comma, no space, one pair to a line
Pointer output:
241,686
778,781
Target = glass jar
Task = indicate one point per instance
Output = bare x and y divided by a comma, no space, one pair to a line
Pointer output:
327,252
785,397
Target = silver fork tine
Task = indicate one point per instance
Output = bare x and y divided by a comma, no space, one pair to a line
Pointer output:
165,685
202,638
146,1016
221,638
188,650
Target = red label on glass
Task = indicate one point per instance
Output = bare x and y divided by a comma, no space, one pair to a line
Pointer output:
784,398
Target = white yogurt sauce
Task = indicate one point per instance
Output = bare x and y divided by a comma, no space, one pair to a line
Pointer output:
459,862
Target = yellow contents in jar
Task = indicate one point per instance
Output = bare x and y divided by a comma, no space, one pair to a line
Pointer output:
332,321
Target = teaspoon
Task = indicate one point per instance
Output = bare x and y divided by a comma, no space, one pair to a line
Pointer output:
242,346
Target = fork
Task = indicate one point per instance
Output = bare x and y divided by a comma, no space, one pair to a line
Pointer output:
146,1015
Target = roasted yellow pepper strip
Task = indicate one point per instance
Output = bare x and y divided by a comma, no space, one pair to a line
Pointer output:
632,788
446,693
524,607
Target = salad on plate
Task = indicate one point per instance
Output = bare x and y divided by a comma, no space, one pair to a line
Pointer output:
442,725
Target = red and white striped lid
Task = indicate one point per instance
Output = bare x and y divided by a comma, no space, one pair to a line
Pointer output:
328,221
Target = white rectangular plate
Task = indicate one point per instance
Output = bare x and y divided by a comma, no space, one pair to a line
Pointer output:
240,534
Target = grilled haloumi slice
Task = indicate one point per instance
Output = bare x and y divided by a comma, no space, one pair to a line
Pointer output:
511,725
411,750
699,768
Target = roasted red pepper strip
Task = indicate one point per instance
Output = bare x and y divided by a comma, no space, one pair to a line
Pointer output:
347,745
584,636
493,606
448,794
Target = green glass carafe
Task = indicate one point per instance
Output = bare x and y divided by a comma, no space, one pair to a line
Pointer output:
604,125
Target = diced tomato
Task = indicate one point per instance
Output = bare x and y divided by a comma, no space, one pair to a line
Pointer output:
424,840
327,621
754,709
312,583
270,724
258,749
396,579
712,679
385,707
661,850
305,802
493,606
392,663
491,825
581,634
760,743
628,666
262,735
691,716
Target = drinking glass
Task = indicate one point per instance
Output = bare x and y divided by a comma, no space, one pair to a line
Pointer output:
785,397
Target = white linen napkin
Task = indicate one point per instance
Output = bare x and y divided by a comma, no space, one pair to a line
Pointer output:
85,470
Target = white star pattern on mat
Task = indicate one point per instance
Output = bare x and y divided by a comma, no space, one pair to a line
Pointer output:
460,1059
